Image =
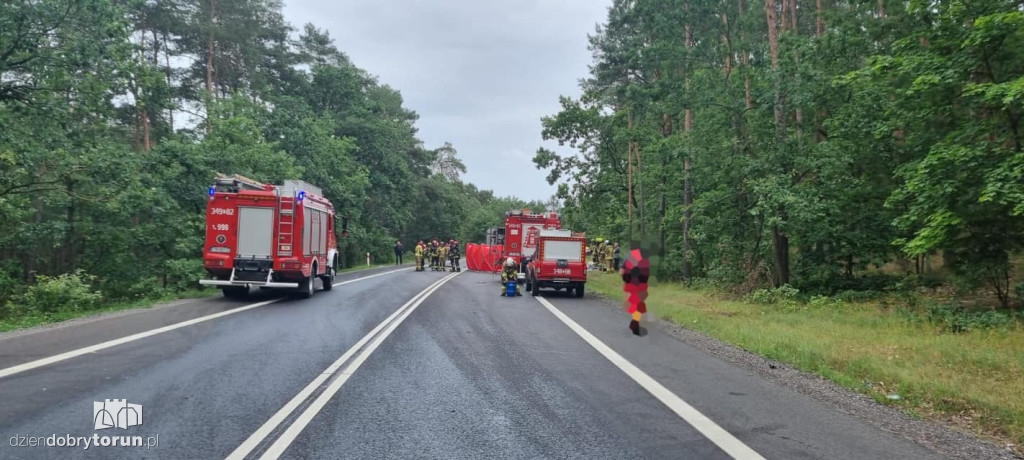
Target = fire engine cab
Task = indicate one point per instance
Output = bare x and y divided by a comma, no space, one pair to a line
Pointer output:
559,261
522,228
269,236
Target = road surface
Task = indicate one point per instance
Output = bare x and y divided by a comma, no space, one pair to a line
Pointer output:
400,364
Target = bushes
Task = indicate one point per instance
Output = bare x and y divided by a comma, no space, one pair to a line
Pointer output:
956,319
70,292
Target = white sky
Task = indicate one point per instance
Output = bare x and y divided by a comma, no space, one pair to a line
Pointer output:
479,73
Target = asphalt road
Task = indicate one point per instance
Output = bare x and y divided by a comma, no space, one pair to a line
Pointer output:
405,365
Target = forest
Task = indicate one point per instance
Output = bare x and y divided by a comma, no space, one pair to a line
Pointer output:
827,145
115,117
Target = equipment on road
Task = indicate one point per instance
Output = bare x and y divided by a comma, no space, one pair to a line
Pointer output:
559,261
510,289
269,236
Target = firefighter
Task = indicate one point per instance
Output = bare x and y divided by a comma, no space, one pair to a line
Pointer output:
454,256
609,255
419,256
510,273
442,256
432,254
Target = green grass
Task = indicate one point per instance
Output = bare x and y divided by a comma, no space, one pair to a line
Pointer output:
973,380
24,322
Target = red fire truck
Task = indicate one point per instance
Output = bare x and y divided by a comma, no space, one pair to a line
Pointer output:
521,231
269,236
560,262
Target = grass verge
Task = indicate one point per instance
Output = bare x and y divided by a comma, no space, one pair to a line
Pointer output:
24,322
974,380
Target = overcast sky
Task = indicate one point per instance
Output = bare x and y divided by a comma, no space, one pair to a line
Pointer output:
479,73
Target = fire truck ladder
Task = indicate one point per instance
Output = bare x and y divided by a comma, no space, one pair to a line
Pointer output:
285,223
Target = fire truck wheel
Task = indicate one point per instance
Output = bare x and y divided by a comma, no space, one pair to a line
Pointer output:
235,292
579,291
328,279
306,287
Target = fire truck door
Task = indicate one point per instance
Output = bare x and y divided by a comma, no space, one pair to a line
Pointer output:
255,232
314,225
323,233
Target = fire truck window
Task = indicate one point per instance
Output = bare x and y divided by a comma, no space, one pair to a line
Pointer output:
569,250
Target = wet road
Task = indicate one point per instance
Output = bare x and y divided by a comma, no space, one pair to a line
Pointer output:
398,364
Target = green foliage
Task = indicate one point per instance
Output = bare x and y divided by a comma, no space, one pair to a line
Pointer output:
872,138
781,295
958,320
50,295
107,144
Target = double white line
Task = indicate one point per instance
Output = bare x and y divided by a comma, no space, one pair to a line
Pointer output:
377,335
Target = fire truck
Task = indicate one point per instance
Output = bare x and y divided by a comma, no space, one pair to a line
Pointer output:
268,236
522,228
559,261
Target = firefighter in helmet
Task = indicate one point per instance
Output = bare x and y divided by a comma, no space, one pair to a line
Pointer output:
609,255
419,256
510,273
432,253
454,255
442,256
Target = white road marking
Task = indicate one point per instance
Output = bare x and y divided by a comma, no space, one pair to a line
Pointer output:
723,439
281,444
271,424
141,335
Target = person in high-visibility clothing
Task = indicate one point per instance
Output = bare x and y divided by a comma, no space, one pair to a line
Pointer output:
442,256
432,254
609,256
510,273
419,256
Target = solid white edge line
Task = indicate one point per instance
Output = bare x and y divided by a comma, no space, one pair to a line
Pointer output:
282,443
372,276
275,420
718,435
141,335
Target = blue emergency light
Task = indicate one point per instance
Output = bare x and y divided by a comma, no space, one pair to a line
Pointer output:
301,196
211,191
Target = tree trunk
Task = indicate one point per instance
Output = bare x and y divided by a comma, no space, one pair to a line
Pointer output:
629,174
819,26
881,9
780,242
209,48
167,60
70,259
780,250
744,57
728,46
687,191
687,216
